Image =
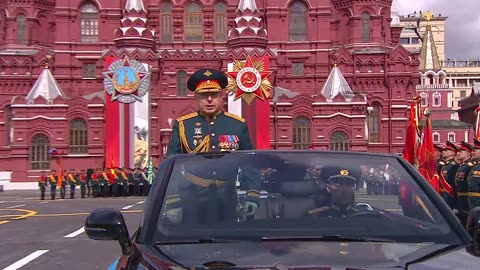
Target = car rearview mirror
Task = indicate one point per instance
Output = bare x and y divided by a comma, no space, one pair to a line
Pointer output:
108,224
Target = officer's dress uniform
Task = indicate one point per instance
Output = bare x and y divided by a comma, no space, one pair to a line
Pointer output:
461,184
338,174
474,187
213,191
42,184
447,183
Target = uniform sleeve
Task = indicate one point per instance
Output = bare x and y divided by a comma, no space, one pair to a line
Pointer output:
244,136
174,144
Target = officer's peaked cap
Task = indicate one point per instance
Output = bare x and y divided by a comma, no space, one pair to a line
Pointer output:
207,80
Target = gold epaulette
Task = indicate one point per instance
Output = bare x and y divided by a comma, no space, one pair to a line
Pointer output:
318,210
187,116
471,164
452,162
234,116
441,162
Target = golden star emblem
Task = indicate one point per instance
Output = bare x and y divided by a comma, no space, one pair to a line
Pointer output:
249,80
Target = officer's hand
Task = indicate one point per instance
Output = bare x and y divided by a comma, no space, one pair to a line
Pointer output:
250,208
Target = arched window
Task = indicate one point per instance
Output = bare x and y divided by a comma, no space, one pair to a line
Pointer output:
302,134
437,99
297,21
339,141
39,152
78,137
181,83
9,115
21,29
451,136
436,137
365,20
424,99
166,22
193,22
3,22
374,124
220,21
430,79
88,23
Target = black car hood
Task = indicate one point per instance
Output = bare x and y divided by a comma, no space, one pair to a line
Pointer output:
287,255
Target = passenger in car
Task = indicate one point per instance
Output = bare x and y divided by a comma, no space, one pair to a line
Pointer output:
340,186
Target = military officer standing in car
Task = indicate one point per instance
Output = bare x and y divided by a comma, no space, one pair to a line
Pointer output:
212,130
461,185
447,175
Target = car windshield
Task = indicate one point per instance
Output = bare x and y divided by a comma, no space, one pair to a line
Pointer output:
297,195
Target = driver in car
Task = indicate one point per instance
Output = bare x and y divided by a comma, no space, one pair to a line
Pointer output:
340,184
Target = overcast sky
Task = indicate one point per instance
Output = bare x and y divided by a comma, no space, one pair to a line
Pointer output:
463,23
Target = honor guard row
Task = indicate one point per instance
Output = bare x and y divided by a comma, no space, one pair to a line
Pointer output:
458,168
96,183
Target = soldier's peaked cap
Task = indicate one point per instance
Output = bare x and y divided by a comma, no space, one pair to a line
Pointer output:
207,80
465,146
331,174
476,144
438,147
451,146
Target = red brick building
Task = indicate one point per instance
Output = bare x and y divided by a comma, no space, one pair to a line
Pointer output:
342,80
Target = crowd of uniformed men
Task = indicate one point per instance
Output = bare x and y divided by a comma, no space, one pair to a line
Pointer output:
458,168
109,182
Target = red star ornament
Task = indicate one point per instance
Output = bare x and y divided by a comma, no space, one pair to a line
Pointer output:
248,81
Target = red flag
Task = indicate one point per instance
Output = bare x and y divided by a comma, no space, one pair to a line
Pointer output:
427,160
477,123
412,136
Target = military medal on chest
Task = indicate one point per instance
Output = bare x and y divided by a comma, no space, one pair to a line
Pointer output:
197,134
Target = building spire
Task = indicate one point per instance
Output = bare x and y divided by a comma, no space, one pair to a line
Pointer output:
395,15
429,59
45,86
136,5
248,28
134,30
247,4
336,84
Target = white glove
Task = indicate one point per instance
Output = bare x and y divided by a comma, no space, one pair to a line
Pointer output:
250,208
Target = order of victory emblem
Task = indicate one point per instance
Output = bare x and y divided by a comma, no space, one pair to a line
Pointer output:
127,80
249,80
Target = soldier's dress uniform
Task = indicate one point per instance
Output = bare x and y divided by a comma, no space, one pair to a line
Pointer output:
42,184
83,183
52,181
461,184
334,175
447,178
62,184
474,181
72,182
197,132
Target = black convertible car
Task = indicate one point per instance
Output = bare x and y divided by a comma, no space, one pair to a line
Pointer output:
288,210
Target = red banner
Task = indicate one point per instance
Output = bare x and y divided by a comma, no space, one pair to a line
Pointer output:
257,115
112,127
427,160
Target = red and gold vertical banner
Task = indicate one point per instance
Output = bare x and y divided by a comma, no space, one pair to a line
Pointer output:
126,83
112,126
249,80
